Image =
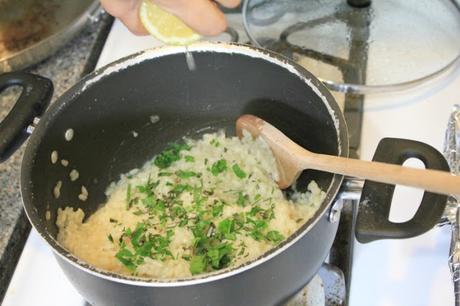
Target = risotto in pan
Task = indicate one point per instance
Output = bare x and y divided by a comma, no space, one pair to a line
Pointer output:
197,207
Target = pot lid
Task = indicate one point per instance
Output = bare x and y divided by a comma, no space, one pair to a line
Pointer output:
360,45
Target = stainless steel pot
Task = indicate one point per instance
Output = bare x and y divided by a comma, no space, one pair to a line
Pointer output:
31,30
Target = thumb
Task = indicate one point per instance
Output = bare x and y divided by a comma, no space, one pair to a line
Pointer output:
128,12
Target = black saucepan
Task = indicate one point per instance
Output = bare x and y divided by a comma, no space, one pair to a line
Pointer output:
113,113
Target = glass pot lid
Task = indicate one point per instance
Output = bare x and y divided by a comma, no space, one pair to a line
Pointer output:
360,45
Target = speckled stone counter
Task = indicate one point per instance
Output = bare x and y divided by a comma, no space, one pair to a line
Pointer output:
64,68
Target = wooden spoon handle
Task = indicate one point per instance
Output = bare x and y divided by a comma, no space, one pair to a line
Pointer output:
292,159
430,180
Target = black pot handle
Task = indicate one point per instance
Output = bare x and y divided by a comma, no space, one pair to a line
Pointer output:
372,220
35,97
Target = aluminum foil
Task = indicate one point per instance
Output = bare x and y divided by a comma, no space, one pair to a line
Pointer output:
452,213
452,155
452,142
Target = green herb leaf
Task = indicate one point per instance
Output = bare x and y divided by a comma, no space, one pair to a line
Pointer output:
145,250
154,246
219,167
217,209
149,187
239,220
215,142
189,158
149,201
169,155
260,224
226,226
201,228
269,214
219,256
198,197
185,174
126,258
238,171
242,199
258,227
178,211
255,210
179,188
197,264
110,238
274,236
257,235
128,197
160,245
137,235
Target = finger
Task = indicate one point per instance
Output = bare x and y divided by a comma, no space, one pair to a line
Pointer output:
128,12
133,23
229,3
201,15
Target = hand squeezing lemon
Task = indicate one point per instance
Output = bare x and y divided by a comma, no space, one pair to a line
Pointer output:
165,26
163,18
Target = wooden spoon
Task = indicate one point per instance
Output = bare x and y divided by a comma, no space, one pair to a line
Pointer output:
292,159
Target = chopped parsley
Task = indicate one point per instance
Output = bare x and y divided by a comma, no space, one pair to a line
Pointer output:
186,174
197,264
170,155
128,197
255,211
257,229
149,187
217,209
219,256
215,142
126,258
274,236
219,167
187,199
242,199
141,244
149,201
189,158
179,188
227,229
238,171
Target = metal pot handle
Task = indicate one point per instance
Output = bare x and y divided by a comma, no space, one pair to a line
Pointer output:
35,97
372,220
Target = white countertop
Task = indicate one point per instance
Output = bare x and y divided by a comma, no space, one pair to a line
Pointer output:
411,272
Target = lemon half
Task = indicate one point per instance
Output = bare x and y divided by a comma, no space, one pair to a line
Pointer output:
165,26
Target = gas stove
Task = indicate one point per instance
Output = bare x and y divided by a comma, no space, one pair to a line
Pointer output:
408,272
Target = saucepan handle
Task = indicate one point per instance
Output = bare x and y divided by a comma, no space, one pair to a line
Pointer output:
32,102
376,198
